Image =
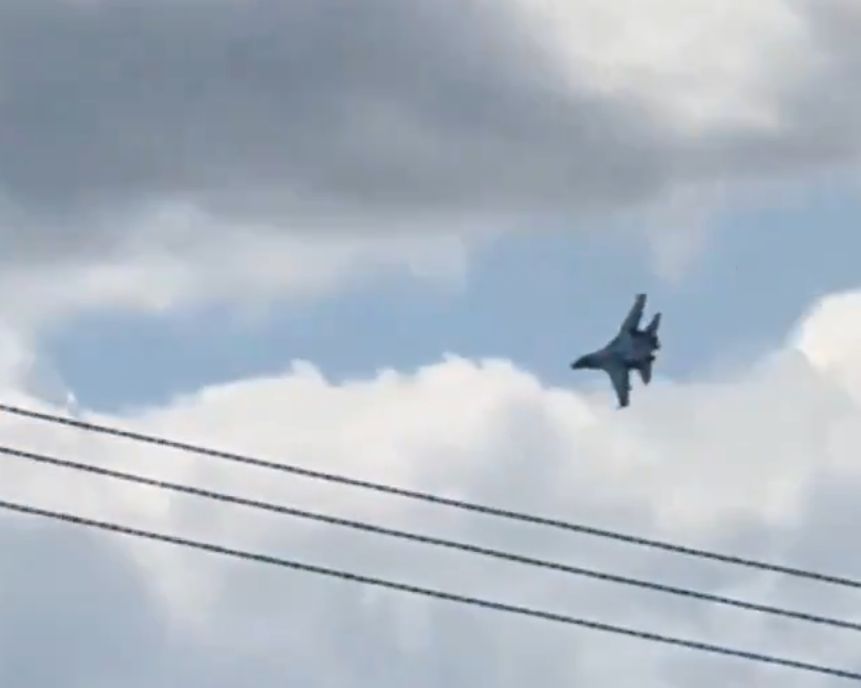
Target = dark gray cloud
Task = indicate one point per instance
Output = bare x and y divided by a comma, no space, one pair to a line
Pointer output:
369,118
328,106
828,117
420,106
820,107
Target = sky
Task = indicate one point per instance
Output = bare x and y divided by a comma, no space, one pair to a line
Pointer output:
369,239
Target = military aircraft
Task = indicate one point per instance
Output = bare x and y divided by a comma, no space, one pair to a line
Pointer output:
630,349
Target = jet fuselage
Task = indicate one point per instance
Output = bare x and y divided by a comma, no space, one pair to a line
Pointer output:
631,349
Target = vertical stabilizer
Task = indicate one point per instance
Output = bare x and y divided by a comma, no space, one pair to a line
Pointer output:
652,330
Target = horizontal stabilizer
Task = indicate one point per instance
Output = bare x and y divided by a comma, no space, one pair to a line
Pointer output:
645,370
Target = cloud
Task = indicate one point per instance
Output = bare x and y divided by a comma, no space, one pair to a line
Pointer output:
265,107
311,107
178,258
694,63
336,125
830,337
761,463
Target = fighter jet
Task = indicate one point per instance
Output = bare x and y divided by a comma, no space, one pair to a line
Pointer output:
630,349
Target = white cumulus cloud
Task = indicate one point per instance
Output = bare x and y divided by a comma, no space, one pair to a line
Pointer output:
761,464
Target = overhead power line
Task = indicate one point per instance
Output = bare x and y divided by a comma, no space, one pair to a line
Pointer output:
432,593
436,499
424,539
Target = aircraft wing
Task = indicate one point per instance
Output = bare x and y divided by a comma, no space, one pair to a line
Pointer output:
621,380
632,320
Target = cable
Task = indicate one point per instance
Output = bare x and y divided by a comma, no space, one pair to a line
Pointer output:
435,499
424,539
429,592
